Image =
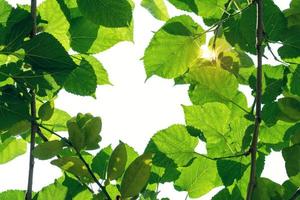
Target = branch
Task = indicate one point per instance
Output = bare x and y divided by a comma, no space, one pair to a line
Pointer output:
33,113
259,50
225,157
69,143
295,195
45,139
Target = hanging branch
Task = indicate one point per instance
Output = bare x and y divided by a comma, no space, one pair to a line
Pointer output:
45,139
32,112
69,143
259,50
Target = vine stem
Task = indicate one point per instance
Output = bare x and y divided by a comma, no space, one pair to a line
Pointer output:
69,143
259,51
32,112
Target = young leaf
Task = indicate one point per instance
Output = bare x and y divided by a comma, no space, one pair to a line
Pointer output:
174,48
48,149
46,110
136,176
108,13
76,135
92,130
117,162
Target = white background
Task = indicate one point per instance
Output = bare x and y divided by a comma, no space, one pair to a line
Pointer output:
132,110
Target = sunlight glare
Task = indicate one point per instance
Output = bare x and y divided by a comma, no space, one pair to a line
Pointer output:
207,53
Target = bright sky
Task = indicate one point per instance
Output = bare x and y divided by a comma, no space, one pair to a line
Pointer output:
132,110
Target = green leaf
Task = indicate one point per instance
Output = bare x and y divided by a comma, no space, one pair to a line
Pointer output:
100,72
92,130
44,52
100,162
211,9
136,176
291,156
267,189
198,178
46,110
73,165
224,136
48,149
58,120
274,134
210,82
86,194
294,81
19,128
108,13
12,194
82,80
54,190
157,8
174,48
76,136
186,5
87,37
240,29
55,21
176,143
117,162
293,14
11,148
289,108
290,51
13,107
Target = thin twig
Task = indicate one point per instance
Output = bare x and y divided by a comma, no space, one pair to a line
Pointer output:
45,139
33,112
295,195
81,158
259,50
225,157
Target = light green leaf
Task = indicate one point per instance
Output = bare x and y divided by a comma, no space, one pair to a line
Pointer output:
56,22
117,162
224,136
11,148
198,178
136,176
48,149
12,195
54,190
109,13
46,110
58,120
157,8
176,143
212,84
174,48
87,37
